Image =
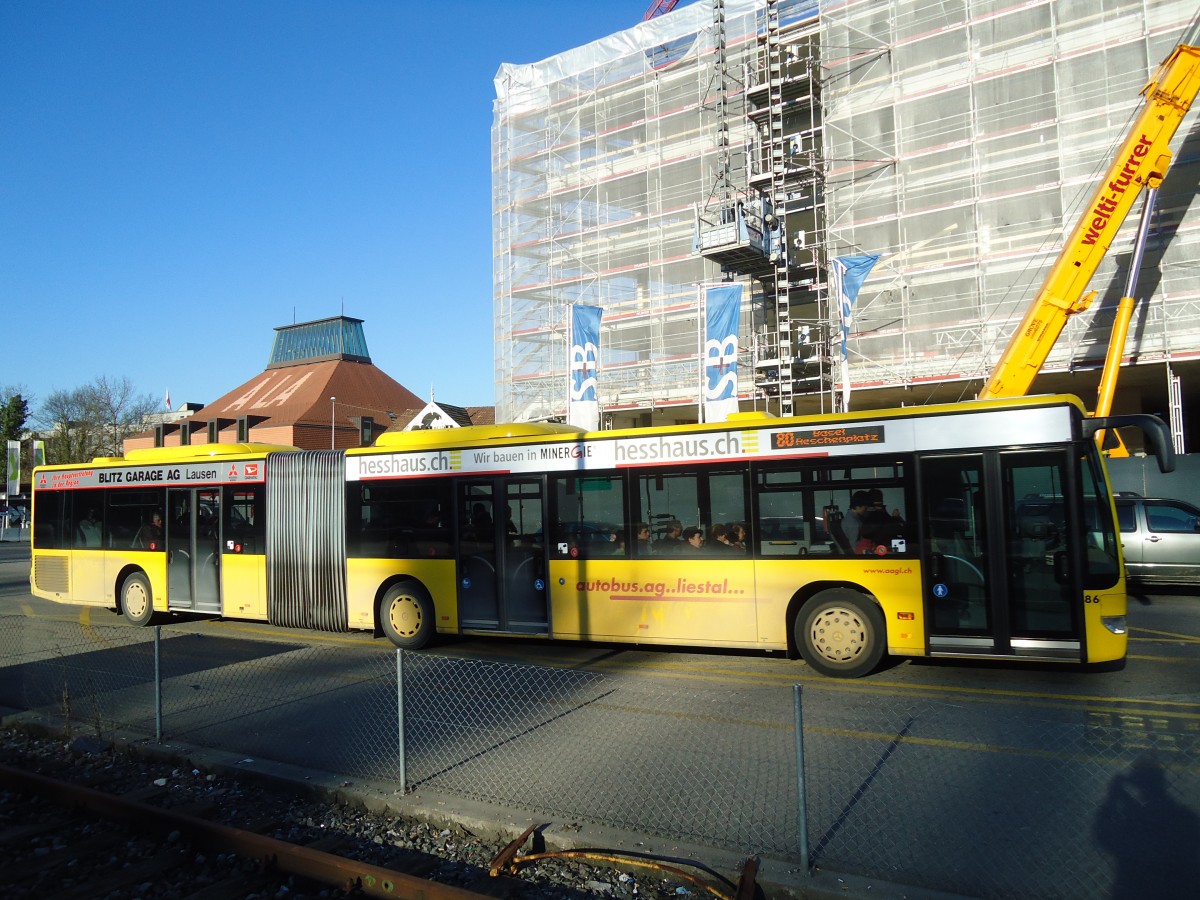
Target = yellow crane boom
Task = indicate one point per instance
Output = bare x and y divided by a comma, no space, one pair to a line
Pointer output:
1142,160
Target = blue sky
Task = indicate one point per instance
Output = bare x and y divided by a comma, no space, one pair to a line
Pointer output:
179,178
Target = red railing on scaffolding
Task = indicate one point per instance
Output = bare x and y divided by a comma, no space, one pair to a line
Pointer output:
658,7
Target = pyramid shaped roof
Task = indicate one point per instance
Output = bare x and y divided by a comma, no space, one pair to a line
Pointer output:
319,383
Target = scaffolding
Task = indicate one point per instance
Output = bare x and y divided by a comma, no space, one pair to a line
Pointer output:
960,143
605,160
752,140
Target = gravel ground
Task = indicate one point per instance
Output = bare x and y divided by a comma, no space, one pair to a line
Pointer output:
450,855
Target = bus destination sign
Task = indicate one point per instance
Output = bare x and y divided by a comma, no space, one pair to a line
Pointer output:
822,438
190,473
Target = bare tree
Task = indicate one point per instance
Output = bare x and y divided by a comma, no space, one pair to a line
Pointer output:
93,420
119,412
69,436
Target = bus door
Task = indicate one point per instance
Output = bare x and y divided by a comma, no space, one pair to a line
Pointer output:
501,556
1045,542
959,590
998,577
193,543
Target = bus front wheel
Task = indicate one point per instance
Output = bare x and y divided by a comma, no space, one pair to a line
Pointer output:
840,632
406,615
137,600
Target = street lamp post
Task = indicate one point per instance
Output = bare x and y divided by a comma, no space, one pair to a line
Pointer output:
333,423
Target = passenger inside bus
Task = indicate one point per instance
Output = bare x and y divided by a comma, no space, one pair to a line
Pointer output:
89,529
848,529
642,534
693,542
737,535
617,543
882,529
671,541
718,539
150,535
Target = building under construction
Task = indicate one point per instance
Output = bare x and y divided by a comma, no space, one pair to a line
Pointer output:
758,140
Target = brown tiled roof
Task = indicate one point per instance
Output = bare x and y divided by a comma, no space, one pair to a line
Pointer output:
290,405
482,415
300,394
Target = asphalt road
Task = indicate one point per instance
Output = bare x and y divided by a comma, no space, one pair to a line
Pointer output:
906,766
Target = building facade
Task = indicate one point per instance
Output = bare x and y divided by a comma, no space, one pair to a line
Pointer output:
756,141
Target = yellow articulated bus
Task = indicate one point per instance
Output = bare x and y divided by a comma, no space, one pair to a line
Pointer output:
982,530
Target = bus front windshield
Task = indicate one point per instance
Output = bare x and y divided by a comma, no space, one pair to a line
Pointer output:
1102,547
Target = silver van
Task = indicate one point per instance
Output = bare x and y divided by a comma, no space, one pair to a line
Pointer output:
1160,539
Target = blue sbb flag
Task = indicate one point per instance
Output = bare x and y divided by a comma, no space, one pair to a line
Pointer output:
848,274
722,311
584,372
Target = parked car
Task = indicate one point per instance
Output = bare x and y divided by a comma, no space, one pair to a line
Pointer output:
1160,539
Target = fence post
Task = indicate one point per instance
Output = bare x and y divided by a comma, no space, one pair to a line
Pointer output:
801,799
400,717
157,685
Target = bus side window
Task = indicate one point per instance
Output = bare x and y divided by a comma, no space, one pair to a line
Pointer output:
242,511
589,511
884,524
52,509
127,512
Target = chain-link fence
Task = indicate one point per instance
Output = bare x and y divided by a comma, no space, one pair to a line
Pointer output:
655,756
332,709
1002,799
96,679
976,795
323,708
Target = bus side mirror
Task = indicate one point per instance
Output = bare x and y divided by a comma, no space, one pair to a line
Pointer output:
1157,433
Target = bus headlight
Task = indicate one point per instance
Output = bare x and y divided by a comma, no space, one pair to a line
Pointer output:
1115,624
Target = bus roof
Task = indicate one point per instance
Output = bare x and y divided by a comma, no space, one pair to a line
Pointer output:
753,419
189,453
201,451
472,435
481,435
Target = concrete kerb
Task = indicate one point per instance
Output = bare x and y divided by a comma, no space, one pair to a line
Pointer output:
778,879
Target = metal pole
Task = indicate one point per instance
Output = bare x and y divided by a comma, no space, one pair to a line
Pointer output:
702,375
400,718
567,326
157,685
801,796
333,423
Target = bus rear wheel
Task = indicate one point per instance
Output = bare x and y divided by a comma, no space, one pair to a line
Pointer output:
406,615
137,600
840,632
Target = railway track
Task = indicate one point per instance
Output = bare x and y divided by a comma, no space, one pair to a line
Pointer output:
79,820
66,840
